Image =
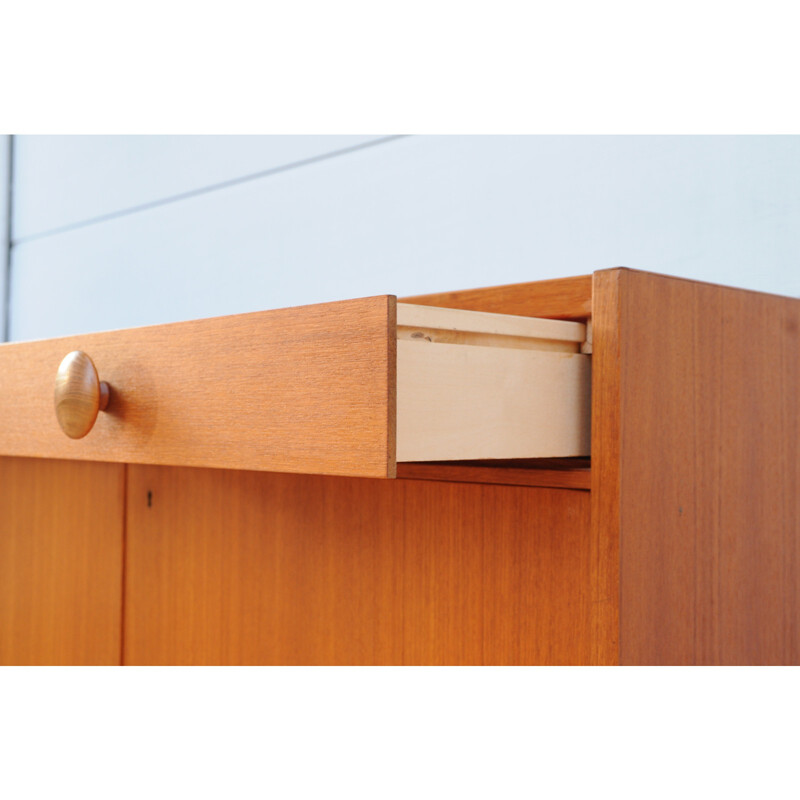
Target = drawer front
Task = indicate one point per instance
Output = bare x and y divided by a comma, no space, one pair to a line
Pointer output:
309,389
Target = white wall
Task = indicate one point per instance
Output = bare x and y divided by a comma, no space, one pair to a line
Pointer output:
115,232
5,164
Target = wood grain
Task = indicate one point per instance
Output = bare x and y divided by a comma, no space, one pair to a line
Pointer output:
79,394
309,389
576,478
708,490
562,298
605,479
229,567
60,561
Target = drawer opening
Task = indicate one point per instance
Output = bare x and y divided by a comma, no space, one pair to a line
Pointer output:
481,387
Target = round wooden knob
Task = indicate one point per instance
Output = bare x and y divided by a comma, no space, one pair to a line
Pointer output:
79,394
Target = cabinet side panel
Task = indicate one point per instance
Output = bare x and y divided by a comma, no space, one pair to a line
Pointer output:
709,516
60,562
229,567
605,478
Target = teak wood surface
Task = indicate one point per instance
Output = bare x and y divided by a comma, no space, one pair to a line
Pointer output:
507,473
695,477
685,549
308,389
562,298
231,567
61,532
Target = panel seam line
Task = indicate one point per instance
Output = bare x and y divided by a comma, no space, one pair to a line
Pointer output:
204,190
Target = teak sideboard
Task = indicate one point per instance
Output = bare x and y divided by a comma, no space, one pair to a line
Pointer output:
591,470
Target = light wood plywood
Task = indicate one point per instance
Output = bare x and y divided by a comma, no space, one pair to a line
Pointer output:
457,401
456,326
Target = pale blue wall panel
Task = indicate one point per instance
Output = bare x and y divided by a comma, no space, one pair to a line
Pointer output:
4,211
66,180
424,214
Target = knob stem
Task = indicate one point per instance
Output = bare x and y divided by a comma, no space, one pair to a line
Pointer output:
105,394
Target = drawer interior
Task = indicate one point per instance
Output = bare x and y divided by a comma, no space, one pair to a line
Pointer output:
474,385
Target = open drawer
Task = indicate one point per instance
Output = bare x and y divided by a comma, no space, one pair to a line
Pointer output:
346,388
472,385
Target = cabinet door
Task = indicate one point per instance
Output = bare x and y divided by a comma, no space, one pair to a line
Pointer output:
232,567
61,541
